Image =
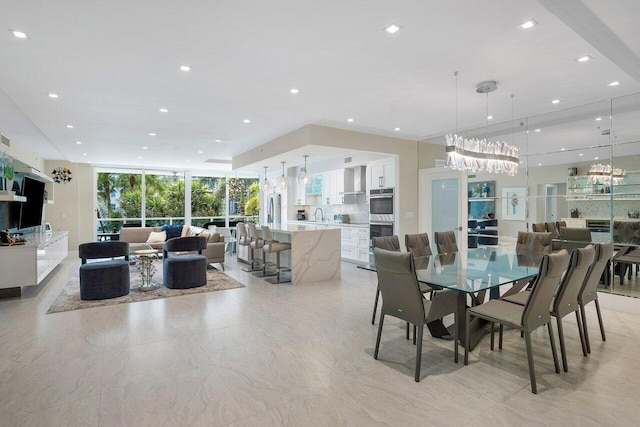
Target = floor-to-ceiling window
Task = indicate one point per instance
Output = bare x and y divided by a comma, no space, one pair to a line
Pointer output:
153,198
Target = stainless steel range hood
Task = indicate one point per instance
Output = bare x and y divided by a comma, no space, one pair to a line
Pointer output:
355,182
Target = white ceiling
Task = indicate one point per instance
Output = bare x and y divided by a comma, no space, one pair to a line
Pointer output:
115,63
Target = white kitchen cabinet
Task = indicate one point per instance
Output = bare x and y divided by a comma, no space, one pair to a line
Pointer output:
301,194
328,184
381,174
338,187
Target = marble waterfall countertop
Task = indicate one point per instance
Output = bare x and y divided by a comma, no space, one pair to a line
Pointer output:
315,253
326,224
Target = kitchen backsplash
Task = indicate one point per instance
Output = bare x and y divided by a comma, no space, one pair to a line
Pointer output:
358,213
602,208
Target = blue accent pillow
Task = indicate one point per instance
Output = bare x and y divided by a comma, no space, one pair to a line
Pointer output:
172,231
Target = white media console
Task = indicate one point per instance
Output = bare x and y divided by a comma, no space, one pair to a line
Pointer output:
29,264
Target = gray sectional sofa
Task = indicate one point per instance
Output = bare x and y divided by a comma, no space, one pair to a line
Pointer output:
215,243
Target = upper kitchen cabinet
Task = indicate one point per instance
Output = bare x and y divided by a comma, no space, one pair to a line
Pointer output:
381,174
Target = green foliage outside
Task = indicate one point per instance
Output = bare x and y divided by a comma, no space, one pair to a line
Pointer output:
165,197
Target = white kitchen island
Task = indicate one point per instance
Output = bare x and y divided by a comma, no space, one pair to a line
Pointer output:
315,252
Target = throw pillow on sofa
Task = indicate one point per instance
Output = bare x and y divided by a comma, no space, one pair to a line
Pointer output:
157,237
172,230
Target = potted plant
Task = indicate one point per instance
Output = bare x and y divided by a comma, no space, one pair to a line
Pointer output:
9,175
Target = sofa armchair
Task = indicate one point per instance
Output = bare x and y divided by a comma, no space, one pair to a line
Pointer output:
215,243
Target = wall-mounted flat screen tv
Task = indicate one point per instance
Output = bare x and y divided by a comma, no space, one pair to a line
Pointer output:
31,210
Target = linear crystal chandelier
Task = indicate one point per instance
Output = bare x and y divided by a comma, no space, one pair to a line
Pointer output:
480,155
605,174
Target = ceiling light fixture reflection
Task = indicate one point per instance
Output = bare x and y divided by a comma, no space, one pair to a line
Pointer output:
489,117
598,119
585,58
53,95
555,101
246,121
185,68
397,129
350,120
200,151
393,28
218,140
563,149
163,110
616,83
528,24
69,126
145,148
151,134
537,130
294,90
581,154
79,142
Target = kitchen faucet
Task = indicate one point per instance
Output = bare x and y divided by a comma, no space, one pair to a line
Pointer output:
315,214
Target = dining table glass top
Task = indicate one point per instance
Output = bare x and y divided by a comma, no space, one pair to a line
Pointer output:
477,269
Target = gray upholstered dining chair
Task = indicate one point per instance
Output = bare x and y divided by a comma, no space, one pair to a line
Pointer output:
588,293
533,242
389,243
418,244
446,242
538,227
566,298
571,237
529,317
403,299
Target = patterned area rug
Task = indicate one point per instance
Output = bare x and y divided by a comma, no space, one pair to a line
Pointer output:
69,298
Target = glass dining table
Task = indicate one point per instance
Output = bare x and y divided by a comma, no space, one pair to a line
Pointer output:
471,274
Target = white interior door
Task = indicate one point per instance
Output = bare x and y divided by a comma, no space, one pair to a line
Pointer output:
443,203
551,205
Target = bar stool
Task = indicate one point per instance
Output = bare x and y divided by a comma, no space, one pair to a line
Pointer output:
273,246
267,237
255,243
242,239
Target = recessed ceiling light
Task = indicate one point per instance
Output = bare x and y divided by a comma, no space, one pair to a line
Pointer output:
188,160
580,154
397,129
584,58
200,151
294,90
528,24
185,68
79,142
139,157
53,95
145,148
489,117
596,158
84,154
539,164
218,140
163,110
393,28
555,101
350,120
598,119
537,130
246,121
89,161
152,134
616,83
69,126
19,34
563,149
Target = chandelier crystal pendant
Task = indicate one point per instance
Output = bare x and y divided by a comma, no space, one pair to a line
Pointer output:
265,184
480,155
605,174
283,181
303,176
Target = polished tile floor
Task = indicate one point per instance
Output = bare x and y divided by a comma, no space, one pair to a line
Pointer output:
270,355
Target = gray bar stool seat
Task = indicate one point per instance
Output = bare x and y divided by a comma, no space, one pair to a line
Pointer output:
255,242
273,246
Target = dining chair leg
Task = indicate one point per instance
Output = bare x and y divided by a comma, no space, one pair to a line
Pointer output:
585,328
414,334
492,334
554,352
604,337
500,336
375,306
419,352
563,350
532,372
466,337
581,332
375,353
407,333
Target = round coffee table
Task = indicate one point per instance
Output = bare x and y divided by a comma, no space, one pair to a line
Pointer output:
146,257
